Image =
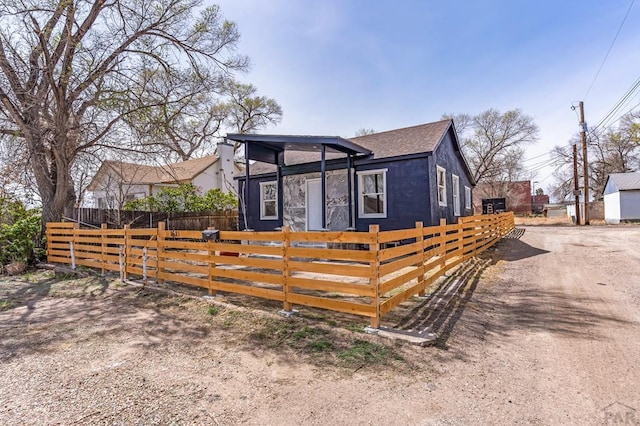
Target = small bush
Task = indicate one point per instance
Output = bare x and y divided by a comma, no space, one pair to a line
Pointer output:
19,232
213,310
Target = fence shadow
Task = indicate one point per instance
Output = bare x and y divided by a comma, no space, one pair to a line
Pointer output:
442,309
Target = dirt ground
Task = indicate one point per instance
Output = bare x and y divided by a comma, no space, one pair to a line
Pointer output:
542,329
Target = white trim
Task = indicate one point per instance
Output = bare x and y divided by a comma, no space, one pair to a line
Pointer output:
467,197
361,213
262,200
442,203
455,192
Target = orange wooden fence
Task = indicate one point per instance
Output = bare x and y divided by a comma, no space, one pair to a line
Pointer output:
361,273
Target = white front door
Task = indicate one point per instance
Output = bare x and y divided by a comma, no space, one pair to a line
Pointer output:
314,204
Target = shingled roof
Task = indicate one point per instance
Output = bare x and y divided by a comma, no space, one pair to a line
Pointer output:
418,139
142,174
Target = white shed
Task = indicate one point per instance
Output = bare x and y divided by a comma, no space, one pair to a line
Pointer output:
622,197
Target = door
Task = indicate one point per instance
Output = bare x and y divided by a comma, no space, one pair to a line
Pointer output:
314,204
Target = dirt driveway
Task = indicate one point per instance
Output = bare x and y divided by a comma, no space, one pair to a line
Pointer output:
543,329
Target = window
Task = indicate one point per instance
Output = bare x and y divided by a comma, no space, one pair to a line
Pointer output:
373,193
467,198
268,200
442,185
455,183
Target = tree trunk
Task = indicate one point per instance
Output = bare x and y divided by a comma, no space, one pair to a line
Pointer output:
52,171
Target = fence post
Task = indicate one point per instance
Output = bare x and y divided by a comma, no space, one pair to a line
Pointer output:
103,238
461,237
374,281
212,264
286,272
126,251
442,249
73,255
159,251
420,239
144,264
72,247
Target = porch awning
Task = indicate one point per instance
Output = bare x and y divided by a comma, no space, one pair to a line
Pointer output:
268,148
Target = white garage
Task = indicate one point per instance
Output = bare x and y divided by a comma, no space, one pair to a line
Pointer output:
622,197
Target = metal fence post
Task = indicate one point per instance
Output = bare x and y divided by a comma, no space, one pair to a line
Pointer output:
120,262
73,255
144,264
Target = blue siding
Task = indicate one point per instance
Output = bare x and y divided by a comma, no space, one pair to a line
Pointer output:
253,209
408,195
449,158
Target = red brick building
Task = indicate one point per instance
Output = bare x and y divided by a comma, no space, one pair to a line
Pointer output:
517,194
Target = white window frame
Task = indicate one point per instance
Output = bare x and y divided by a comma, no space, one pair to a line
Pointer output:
467,197
441,185
455,192
385,207
262,200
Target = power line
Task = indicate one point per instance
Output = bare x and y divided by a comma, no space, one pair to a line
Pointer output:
619,104
609,51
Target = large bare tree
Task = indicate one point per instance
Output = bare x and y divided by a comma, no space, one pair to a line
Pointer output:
493,143
72,70
185,116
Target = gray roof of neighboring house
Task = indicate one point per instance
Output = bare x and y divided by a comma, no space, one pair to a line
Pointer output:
625,181
142,174
423,138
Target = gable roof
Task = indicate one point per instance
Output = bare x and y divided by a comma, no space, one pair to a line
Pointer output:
142,174
409,140
423,138
625,181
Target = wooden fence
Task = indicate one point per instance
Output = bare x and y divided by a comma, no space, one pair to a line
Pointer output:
361,273
227,220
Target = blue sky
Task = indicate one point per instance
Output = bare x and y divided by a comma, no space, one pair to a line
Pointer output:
337,66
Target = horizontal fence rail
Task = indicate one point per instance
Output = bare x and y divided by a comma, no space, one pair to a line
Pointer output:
360,273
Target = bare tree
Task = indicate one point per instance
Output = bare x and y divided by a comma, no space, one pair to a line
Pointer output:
72,70
492,143
363,131
614,150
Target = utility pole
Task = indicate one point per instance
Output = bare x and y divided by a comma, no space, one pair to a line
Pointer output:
583,136
576,184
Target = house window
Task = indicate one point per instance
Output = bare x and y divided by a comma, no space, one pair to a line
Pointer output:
441,174
467,198
268,200
373,193
455,182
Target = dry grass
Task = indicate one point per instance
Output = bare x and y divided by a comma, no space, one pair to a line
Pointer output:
553,221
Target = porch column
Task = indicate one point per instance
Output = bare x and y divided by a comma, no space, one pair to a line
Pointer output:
323,171
246,185
279,194
349,195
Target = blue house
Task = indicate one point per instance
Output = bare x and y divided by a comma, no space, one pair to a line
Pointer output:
392,179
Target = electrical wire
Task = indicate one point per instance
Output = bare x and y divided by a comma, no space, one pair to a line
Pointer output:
624,100
609,51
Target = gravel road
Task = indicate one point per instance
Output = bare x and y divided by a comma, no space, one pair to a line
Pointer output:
543,329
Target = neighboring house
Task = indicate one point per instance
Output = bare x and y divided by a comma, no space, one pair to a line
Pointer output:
392,179
117,182
622,197
517,194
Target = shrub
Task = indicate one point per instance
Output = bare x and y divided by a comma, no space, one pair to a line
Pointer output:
184,198
20,229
